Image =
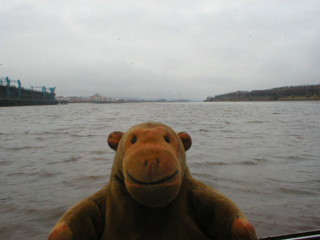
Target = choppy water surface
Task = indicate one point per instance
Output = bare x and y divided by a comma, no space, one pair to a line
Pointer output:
264,156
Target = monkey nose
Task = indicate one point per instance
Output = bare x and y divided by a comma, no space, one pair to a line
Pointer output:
153,162
152,166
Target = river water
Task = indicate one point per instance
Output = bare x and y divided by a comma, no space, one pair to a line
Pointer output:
263,155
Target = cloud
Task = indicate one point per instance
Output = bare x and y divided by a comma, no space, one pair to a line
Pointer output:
160,49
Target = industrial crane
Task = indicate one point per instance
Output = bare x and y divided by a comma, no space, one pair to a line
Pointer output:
52,93
45,91
9,81
10,93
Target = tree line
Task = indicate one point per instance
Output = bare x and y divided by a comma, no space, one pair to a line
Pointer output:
274,94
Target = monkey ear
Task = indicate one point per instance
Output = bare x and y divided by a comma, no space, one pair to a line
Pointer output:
186,140
114,139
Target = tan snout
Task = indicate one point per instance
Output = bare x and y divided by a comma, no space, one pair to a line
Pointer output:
152,175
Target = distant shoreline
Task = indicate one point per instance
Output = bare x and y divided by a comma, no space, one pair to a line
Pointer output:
266,99
292,93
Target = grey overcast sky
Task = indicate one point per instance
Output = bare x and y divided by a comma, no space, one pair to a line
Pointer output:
160,49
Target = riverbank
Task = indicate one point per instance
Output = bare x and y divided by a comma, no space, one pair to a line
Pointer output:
261,99
292,93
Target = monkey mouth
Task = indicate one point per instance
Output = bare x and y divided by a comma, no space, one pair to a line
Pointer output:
153,183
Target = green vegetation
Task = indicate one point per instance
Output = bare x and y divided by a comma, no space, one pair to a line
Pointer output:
292,93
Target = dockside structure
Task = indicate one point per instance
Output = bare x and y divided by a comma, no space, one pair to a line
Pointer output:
12,95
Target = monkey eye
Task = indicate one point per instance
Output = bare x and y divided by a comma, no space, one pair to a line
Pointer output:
166,138
134,139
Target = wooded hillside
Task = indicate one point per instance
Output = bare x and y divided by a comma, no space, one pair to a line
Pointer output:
308,92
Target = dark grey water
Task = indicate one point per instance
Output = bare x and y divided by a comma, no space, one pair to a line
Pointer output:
264,156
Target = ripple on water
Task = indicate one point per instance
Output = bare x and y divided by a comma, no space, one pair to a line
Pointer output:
264,156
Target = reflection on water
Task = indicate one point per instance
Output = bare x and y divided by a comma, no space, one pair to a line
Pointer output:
264,156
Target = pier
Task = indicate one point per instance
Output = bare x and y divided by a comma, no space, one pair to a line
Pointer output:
13,94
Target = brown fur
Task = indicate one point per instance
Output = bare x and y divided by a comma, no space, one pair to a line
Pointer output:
152,195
